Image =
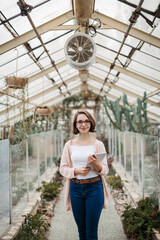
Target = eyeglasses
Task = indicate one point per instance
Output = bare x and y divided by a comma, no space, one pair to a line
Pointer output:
86,122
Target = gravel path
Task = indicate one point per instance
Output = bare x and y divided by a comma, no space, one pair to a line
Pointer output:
63,226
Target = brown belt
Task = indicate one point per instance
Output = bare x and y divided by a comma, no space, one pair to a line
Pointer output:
84,181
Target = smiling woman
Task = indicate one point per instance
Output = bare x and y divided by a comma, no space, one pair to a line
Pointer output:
86,192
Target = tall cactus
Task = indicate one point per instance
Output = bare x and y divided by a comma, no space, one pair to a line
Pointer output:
142,114
128,113
117,111
136,117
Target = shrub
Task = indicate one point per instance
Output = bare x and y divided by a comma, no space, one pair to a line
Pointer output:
49,190
114,181
33,228
138,222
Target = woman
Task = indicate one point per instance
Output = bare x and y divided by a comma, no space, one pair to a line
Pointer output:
86,192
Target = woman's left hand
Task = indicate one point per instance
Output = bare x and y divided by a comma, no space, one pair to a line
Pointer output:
92,159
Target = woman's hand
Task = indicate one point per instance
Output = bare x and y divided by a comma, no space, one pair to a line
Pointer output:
82,171
93,160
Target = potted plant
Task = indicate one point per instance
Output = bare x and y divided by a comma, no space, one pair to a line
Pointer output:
42,111
16,82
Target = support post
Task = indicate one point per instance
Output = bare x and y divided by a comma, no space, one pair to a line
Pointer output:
119,144
158,166
38,161
142,163
132,163
10,185
45,153
27,172
115,142
124,142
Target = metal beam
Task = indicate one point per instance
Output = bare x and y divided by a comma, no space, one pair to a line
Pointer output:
129,73
31,34
75,27
51,101
121,104
39,94
122,90
122,27
4,92
151,94
46,71
103,62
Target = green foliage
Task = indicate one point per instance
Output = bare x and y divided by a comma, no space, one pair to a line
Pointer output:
49,190
138,222
33,228
80,100
114,181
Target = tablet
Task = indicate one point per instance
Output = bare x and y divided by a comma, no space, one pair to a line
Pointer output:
100,157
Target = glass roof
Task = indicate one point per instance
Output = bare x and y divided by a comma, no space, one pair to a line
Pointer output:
136,62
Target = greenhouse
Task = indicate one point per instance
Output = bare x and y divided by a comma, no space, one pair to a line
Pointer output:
58,57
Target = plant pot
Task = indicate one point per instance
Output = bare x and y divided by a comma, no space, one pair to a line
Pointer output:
16,82
43,111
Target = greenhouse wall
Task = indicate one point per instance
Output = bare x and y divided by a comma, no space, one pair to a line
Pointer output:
138,158
4,185
31,160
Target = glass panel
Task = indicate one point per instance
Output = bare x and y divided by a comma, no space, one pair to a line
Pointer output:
122,147
41,149
4,185
150,166
19,186
32,164
5,35
136,82
144,70
128,153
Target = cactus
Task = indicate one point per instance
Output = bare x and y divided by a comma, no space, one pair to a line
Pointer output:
128,110
136,117
115,108
142,114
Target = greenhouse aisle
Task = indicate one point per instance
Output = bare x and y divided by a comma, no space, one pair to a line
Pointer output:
63,226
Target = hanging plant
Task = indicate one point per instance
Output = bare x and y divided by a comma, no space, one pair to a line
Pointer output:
42,111
16,82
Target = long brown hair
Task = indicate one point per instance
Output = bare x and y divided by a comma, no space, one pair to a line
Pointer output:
89,116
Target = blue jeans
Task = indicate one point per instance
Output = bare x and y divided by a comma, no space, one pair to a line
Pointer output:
87,201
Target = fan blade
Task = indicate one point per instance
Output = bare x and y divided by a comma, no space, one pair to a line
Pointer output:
86,42
81,59
71,53
74,58
88,53
72,45
88,46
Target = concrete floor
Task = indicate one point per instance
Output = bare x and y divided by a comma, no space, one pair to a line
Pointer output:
63,226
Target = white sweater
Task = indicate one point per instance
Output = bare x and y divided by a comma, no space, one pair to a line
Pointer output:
79,155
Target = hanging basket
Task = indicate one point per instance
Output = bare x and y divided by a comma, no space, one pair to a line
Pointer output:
42,111
16,82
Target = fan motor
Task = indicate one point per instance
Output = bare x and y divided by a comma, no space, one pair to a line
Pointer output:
80,51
